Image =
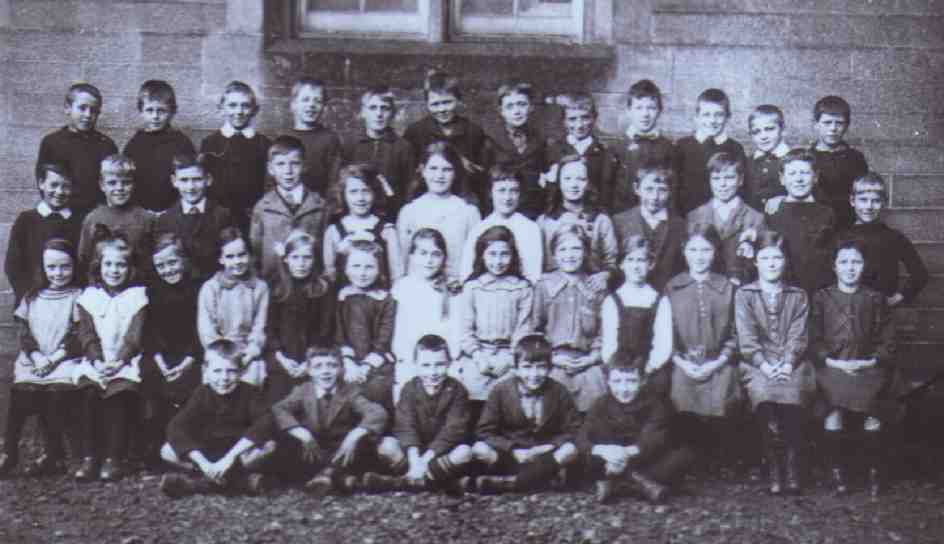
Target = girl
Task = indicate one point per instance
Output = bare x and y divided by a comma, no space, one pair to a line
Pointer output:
496,312
49,354
425,301
505,191
301,313
360,198
111,322
441,171
771,321
852,343
233,305
237,154
705,389
572,203
365,317
566,309
635,320
172,370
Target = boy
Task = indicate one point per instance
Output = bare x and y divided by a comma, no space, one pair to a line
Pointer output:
431,424
579,113
505,197
729,214
236,154
196,219
443,97
884,246
528,424
712,113
224,422
806,225
380,145
118,213
291,205
643,143
518,146
762,179
154,146
322,144
79,146
625,437
51,218
654,220
837,162
330,428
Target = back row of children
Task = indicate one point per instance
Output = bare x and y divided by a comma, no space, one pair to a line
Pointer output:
582,255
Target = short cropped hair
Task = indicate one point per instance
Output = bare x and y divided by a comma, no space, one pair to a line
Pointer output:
222,349
241,88
715,96
382,92
644,88
833,105
517,87
308,82
117,163
323,351
577,101
849,243
870,182
431,342
663,172
44,168
637,242
533,348
723,160
766,110
183,161
157,90
624,361
705,231
283,145
441,83
799,154
86,88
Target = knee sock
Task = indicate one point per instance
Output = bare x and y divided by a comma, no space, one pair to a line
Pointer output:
117,414
90,410
21,404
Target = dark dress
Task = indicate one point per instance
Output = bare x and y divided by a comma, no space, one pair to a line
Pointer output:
170,329
365,324
634,338
852,326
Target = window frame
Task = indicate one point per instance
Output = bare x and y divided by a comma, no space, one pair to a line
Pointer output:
485,27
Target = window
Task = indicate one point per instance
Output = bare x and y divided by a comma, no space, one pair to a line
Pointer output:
445,20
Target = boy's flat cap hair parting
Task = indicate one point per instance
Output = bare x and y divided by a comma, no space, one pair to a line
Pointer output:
44,168
833,105
189,160
515,87
308,82
644,88
158,90
86,88
576,101
382,92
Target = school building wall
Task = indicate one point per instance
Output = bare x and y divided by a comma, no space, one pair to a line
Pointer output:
885,56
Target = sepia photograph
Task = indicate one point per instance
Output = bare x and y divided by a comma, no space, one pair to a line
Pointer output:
467,271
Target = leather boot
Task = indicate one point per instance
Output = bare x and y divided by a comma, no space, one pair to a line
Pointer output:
493,485
45,464
772,453
875,482
832,440
181,485
322,484
647,488
88,470
872,443
112,470
379,483
7,464
793,480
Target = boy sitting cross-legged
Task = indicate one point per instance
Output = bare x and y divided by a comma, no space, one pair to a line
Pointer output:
223,422
527,429
431,424
625,437
330,431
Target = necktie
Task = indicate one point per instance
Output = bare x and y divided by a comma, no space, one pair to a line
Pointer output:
519,139
193,211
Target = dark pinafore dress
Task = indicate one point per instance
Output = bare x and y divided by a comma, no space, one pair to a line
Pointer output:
634,338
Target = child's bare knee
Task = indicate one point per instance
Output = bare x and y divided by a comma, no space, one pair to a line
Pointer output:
389,449
168,454
484,453
872,424
565,454
833,421
460,455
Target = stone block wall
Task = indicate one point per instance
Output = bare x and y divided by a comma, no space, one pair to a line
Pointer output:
885,56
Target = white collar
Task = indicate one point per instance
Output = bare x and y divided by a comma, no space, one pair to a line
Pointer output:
350,290
228,130
580,145
295,196
809,198
200,206
320,393
779,151
45,211
719,139
631,133
725,209
653,219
